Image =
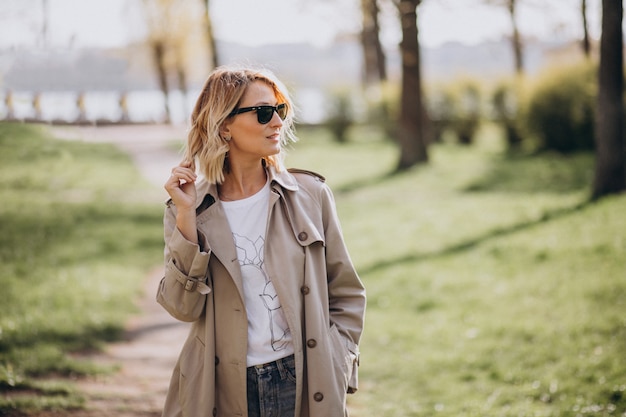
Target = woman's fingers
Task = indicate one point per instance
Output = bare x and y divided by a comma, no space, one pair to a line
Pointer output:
184,173
180,175
180,186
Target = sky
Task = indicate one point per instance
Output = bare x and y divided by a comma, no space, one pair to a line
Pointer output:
112,23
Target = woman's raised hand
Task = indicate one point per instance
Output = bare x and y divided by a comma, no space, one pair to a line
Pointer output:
181,188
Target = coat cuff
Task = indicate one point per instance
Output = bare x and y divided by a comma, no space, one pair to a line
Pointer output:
190,258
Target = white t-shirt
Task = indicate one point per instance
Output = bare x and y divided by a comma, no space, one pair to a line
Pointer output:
269,337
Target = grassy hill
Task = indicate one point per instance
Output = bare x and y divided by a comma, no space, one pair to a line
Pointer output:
494,287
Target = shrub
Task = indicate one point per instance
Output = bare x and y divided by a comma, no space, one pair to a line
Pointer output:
506,101
441,105
560,112
456,107
341,115
383,107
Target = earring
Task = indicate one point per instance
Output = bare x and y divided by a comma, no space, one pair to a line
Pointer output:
227,138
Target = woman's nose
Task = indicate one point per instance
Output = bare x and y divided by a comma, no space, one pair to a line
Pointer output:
276,121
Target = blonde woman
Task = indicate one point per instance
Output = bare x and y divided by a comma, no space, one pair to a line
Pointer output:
255,259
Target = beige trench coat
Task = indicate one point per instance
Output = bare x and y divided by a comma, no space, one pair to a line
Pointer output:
322,297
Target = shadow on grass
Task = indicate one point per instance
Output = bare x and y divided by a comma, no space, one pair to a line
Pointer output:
85,338
473,242
367,182
543,172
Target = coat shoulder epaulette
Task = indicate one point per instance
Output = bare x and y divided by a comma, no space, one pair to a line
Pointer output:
304,171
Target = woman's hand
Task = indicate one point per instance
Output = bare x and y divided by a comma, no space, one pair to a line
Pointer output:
181,188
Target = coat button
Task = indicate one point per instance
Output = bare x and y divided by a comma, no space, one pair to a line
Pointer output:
302,236
311,343
214,412
318,396
217,360
305,290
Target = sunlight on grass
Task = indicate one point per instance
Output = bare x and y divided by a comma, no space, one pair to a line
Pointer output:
78,233
494,289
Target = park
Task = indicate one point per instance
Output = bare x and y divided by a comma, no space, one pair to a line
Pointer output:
495,268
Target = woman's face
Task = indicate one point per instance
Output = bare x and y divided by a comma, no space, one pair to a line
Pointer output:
251,140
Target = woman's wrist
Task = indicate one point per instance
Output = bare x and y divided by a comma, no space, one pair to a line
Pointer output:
186,224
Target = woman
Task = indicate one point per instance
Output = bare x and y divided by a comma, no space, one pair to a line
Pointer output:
255,259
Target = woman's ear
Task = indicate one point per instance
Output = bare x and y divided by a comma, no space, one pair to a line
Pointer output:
225,132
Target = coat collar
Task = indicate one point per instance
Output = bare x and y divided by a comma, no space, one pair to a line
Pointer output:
283,179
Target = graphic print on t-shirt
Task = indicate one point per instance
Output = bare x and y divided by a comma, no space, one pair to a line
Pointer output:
250,255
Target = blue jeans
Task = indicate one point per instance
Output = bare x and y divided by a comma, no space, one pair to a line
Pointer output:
272,389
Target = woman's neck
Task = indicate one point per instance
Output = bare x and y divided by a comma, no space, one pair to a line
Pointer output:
242,182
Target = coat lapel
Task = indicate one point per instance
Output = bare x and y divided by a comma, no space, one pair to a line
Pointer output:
212,222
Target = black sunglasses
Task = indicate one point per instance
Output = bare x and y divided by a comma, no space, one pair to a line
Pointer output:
264,113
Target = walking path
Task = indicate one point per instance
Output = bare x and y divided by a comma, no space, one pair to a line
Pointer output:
148,354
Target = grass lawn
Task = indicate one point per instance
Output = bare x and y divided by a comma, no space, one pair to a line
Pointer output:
494,288
77,236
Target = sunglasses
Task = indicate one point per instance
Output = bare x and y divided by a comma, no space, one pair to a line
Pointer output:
264,113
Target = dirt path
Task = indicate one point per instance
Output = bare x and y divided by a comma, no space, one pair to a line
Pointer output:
153,339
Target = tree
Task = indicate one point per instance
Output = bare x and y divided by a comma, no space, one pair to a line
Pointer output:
45,26
173,28
586,44
516,38
158,56
210,38
373,55
610,170
412,124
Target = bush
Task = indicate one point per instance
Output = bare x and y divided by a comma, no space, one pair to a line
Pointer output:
560,112
506,101
456,107
441,107
383,107
341,117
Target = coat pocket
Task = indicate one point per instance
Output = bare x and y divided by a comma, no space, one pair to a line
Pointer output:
344,360
191,366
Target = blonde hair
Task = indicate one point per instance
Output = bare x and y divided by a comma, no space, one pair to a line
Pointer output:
220,95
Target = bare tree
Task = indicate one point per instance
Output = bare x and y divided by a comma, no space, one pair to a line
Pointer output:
610,170
210,37
586,44
172,25
412,124
374,69
158,56
45,27
516,38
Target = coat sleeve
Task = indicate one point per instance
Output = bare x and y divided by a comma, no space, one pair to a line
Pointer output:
346,293
183,289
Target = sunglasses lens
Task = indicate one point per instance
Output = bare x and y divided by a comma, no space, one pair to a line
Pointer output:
281,109
264,114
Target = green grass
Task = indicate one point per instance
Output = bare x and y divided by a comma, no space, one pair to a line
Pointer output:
78,231
494,288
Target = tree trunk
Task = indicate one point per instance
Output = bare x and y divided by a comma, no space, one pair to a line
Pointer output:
516,39
181,75
373,55
610,170
411,132
210,38
158,54
44,27
586,44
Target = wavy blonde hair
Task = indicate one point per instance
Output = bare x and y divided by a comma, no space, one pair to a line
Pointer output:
220,95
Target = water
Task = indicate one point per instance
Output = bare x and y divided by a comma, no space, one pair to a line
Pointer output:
141,106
